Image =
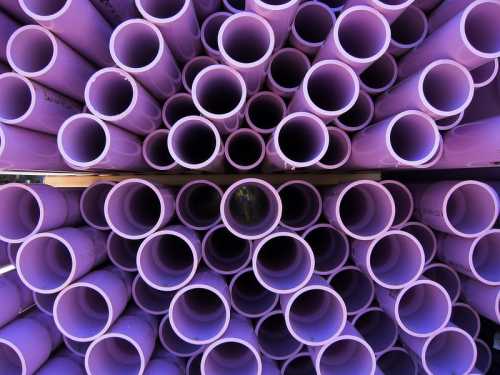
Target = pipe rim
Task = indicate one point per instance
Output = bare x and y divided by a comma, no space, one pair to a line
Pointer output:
317,197
387,6
276,7
451,271
189,65
417,13
490,79
40,305
177,96
145,151
404,351
473,312
40,17
348,128
18,353
457,120
474,248
86,192
166,320
139,302
393,341
204,27
147,16
488,352
389,84
296,34
259,139
409,196
292,358
111,256
31,107
433,161
346,139
431,234
253,98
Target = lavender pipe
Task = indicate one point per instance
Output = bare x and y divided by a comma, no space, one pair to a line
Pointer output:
17,297
264,111
176,107
299,193
391,9
162,362
45,302
155,151
173,343
397,360
210,31
358,117
62,362
485,74
116,11
338,151
378,329
287,68
78,348
403,202
8,26
192,68
484,356
299,364
14,9
445,276
465,317
245,150
204,8
485,299
380,76
234,6
408,31
92,204
424,235
122,252
148,299
198,204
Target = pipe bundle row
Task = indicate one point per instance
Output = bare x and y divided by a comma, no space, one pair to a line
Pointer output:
216,85
362,277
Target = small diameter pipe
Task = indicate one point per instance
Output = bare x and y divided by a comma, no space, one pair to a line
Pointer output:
32,106
135,208
163,362
298,364
92,204
338,151
173,343
408,31
246,42
424,235
62,362
178,24
403,201
251,208
210,31
283,273
176,107
219,93
359,116
447,123
155,151
37,54
192,68
225,253
200,312
379,76
485,74
115,96
149,299
330,88
397,361
311,26
445,276
234,6
138,47
287,68
264,111
362,209
122,252
302,205
76,347
377,328
465,317
245,150
16,297
168,259
390,9
393,260
485,299
198,204
34,208
484,356
45,302
420,309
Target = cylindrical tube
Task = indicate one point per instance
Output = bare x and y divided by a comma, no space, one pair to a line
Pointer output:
163,362
298,364
92,204
136,208
427,5
177,107
484,356
205,8
445,276
446,11
245,149
302,205
45,302
287,68
178,24
122,252
234,6
355,288
424,235
173,343
34,208
380,76
397,360
378,329
485,299
62,362
408,31
210,31
338,151
403,201
358,116
193,365
14,9
115,96
390,9
192,68
8,26
138,47
264,111
16,296
485,74
151,300
466,318
36,53
447,123
116,11
78,348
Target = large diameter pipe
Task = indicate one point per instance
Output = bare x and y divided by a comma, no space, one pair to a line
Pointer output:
122,252
192,68
403,201
136,208
34,208
264,111
485,299
378,329
87,308
390,9
32,106
173,343
149,299
78,23
299,193
17,297
63,362
380,76
210,32
36,53
115,96
116,11
358,117
408,31
445,276
465,317
92,204
245,149
424,235
176,107
396,361
178,24
154,66
287,68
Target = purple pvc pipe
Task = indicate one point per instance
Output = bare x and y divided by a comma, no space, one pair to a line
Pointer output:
465,317
34,208
116,11
485,74
7,26
251,208
311,26
63,362
403,201
13,9
377,328
420,309
462,208
135,208
408,31
115,96
446,11
379,76
87,142
234,6
264,111
338,151
390,9
193,365
148,299
246,42
192,68
447,123
210,31
87,308
287,68
138,47
359,116
427,5
27,342
204,8
287,272
485,299
37,54
219,93
330,88
177,107
362,209
445,276
173,343
78,23
424,235
163,362
245,149
302,205
397,361
248,297
198,204
49,262
298,364
29,105
484,356
11,251
168,259
92,204
200,312
45,302
195,143
122,252
225,253
16,297
335,6
76,347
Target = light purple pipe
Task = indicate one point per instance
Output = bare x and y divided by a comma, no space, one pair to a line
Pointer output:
377,328
421,308
447,123
462,208
37,54
330,88
87,308
310,27
251,208
15,295
210,31
446,11
138,47
133,109
29,105
287,272
193,365
163,362
225,253
465,317
408,31
264,111
424,235
198,204
361,209
485,299
62,362
148,299
246,42
122,252
136,208
403,201
200,312
287,68
49,262
484,356
390,9
330,247
269,367
76,347
302,205
34,208
299,364
445,276
78,23
380,76
358,117
92,204
338,151
204,8
45,302
168,259
236,351
245,149
234,6
173,343
116,11
178,24
219,93
315,314
126,348
396,361
195,143
19,355
7,26
176,107
13,9
485,74
192,68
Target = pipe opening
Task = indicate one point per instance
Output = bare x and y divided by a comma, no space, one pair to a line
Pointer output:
219,91
134,37
346,356
484,74
449,121
161,8
403,201
486,257
10,362
92,204
301,205
483,360
288,68
114,355
77,347
249,297
355,288
381,74
22,213
211,29
378,329
225,252
410,27
245,148
177,107
313,23
123,252
446,277
84,139
228,358
45,7
16,97
274,337
110,93
265,111
45,302
329,246
396,362
425,236
464,317
358,116
31,50
482,29
198,204
156,149
193,366
193,67
173,343
151,300
299,365
339,148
